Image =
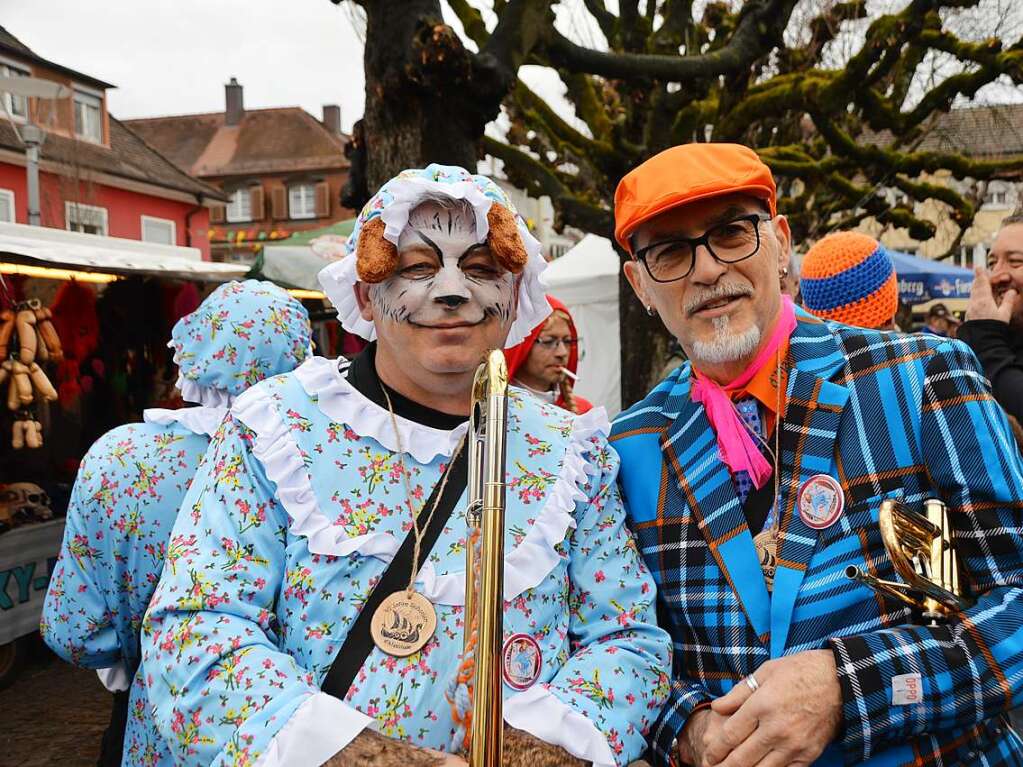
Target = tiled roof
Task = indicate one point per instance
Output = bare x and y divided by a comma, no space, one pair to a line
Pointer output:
10,44
9,41
128,156
287,139
986,132
989,131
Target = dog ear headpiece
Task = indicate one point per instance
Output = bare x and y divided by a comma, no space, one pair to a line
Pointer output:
371,253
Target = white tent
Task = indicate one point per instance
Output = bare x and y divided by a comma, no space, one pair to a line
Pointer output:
41,246
586,280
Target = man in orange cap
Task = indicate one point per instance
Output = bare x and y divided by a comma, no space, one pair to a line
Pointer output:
753,475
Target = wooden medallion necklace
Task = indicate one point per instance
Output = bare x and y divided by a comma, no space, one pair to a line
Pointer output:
766,541
404,621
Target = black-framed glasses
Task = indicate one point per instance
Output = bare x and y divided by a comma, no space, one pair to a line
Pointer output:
730,242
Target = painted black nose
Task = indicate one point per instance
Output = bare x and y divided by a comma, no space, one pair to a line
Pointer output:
452,302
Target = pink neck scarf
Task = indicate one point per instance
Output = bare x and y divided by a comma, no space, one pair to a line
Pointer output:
735,445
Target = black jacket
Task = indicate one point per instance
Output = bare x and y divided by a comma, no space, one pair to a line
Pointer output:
1000,351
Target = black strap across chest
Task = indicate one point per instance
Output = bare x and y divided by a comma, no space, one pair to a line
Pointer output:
359,643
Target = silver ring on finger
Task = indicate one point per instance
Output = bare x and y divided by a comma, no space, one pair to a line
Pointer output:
752,683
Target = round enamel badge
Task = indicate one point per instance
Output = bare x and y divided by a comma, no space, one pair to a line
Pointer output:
820,501
521,660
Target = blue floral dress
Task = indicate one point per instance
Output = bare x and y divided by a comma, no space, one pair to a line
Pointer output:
132,482
295,514
123,506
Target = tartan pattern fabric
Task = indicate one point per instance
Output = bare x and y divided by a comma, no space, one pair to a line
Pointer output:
888,415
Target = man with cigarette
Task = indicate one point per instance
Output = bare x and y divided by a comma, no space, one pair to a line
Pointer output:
545,363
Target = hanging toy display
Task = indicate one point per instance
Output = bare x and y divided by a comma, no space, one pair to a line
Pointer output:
27,338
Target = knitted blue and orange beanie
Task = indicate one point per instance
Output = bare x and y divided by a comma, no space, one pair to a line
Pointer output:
849,277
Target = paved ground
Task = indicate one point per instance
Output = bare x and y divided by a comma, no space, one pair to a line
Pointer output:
53,714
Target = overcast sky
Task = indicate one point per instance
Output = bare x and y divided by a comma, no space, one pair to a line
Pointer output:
174,56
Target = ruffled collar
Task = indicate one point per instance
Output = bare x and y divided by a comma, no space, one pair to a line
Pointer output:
550,396
207,396
198,420
362,374
324,380
526,564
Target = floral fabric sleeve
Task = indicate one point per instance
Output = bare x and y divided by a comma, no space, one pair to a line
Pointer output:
77,622
222,690
616,676
122,508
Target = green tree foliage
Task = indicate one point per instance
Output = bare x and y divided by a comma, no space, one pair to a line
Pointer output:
837,96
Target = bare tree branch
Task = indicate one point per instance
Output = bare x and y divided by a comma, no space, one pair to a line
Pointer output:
760,29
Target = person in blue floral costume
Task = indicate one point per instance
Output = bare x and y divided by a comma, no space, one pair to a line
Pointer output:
269,640
131,484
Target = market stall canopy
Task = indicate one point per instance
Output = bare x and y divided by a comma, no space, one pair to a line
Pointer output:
295,262
40,246
922,280
586,281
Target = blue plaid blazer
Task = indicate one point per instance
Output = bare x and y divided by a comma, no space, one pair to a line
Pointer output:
887,415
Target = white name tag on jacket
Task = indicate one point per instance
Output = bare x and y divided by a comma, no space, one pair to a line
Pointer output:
907,689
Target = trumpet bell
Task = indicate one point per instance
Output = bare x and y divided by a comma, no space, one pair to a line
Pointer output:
921,549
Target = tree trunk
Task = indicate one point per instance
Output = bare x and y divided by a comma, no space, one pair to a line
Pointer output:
420,106
645,345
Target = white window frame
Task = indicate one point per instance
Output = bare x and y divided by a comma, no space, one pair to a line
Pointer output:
8,194
73,210
991,198
88,98
232,212
306,200
10,101
159,222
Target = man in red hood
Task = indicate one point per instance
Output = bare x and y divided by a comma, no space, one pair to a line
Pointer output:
538,364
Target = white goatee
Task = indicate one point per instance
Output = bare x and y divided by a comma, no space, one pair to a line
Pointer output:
726,346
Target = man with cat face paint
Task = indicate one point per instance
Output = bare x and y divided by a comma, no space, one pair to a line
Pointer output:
312,610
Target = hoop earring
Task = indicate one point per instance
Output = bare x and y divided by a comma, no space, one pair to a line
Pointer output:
651,312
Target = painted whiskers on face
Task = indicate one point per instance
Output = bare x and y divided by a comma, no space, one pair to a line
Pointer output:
446,277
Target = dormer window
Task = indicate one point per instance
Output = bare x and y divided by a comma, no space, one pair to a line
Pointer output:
88,117
15,106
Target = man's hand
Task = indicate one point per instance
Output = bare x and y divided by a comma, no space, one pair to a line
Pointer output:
791,718
371,747
983,306
703,728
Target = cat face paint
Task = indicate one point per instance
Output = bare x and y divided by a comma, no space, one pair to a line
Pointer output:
446,277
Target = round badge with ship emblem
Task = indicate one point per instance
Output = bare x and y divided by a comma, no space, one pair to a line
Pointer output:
521,661
403,623
820,501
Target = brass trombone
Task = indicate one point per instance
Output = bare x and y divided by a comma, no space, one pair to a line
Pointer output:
484,571
920,547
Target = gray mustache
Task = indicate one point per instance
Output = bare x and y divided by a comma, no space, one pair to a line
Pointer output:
723,290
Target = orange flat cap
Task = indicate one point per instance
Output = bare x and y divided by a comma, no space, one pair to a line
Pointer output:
686,173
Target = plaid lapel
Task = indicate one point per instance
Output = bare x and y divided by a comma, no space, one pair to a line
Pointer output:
808,446
691,453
